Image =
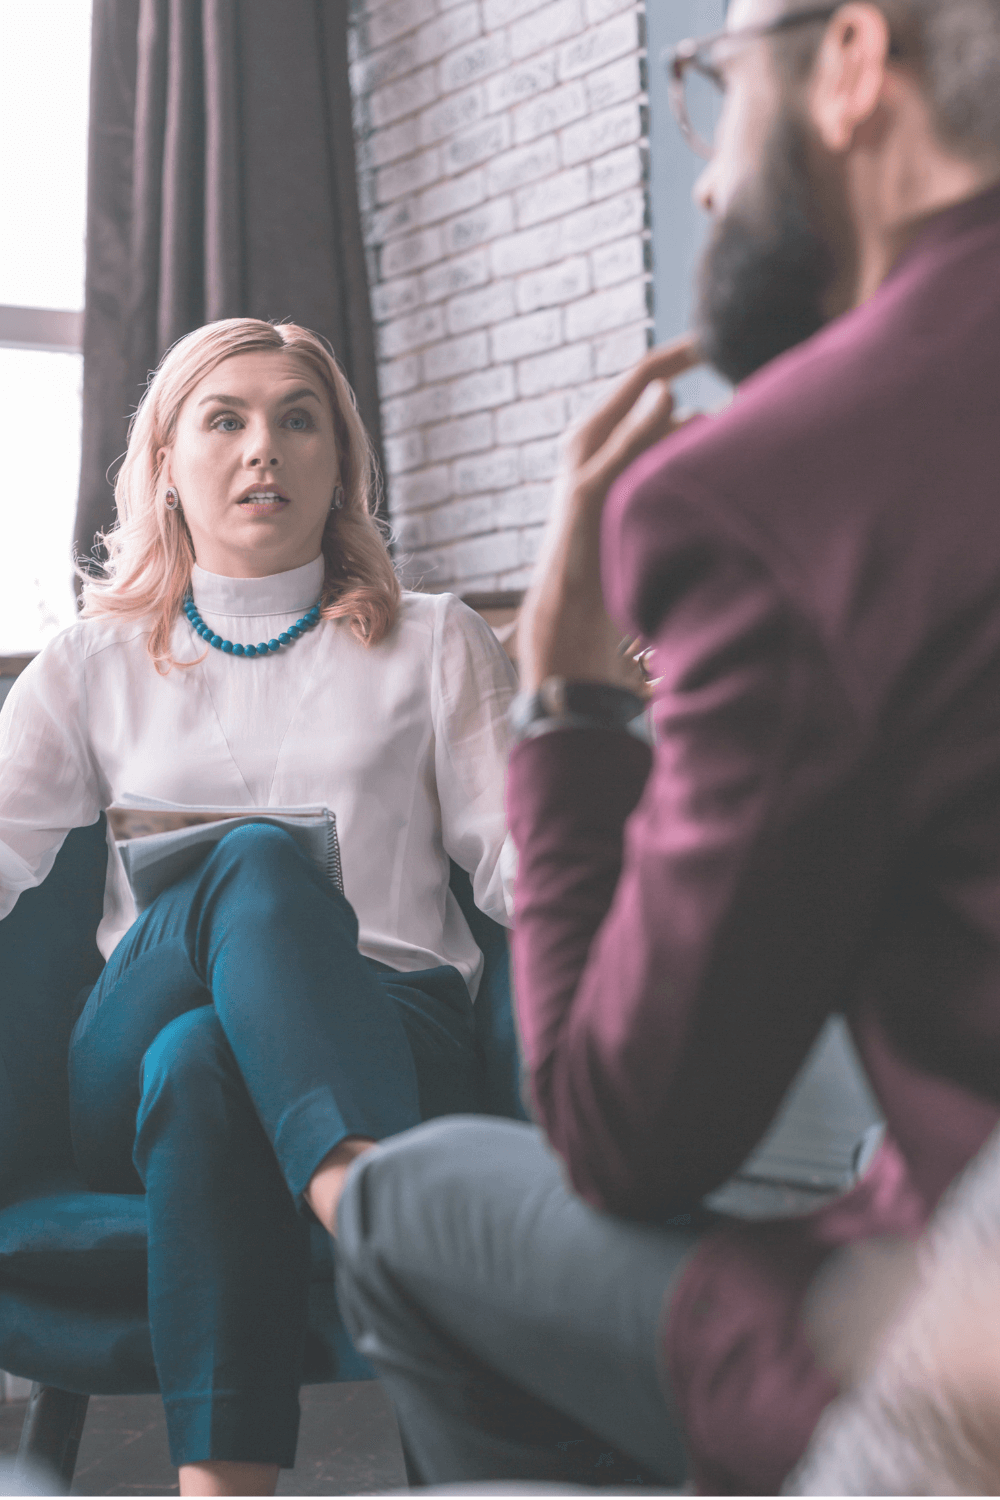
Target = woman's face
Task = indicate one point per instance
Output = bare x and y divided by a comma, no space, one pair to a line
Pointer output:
254,463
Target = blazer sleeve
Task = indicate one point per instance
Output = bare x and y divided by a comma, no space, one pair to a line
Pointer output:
48,781
473,683
686,920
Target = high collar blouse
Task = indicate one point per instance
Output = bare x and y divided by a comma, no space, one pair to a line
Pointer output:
406,742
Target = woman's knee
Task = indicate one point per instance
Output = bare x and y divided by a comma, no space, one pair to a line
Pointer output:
270,873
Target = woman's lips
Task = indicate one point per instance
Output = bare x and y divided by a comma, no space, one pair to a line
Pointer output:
262,503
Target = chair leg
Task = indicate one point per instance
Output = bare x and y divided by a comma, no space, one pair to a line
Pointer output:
51,1433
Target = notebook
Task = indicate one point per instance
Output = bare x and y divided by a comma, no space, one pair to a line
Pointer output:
160,842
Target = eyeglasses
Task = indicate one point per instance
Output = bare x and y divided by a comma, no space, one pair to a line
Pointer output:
696,82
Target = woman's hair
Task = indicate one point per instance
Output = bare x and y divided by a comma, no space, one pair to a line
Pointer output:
149,548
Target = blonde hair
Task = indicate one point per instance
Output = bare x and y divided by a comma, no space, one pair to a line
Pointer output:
149,550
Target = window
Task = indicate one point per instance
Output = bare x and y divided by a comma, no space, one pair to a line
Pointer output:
43,172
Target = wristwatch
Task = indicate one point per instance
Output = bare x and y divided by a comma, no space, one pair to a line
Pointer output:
560,703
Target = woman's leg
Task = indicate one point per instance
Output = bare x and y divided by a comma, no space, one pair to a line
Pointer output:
257,934
228,1258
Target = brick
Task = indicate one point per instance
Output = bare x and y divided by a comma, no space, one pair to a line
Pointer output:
525,420
616,171
600,10
611,219
462,518
497,470
390,222
606,310
456,275
549,111
377,68
388,22
618,262
388,144
449,115
561,283
497,13
527,335
554,371
488,222
462,435
404,334
452,196
415,491
391,299
445,33
529,544
524,164
366,192
598,45
481,391
555,196
455,357
402,97
466,66
410,253
515,84
408,176
410,531
619,351
487,553
396,375
601,132
540,461
428,404
527,250
479,144
403,452
480,308
544,27
517,578
529,505
614,84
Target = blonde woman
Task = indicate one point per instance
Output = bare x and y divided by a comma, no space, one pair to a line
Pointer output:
253,1030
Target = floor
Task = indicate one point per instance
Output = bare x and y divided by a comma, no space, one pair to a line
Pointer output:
348,1445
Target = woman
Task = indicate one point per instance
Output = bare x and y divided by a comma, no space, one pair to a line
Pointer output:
253,1030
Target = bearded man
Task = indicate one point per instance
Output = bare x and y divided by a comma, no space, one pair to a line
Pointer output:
816,828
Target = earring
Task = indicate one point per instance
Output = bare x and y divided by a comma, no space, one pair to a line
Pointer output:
171,500
338,498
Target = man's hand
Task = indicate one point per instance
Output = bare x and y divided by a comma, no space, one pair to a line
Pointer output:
565,630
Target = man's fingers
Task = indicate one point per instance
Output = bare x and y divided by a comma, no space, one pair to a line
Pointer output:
665,363
641,428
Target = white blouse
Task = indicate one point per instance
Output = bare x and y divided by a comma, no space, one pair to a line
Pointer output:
406,742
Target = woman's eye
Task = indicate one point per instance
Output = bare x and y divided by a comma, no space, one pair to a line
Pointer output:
298,421
226,424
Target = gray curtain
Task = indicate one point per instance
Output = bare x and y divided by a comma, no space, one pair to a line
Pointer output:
221,184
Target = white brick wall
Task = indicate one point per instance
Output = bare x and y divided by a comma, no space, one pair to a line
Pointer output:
502,171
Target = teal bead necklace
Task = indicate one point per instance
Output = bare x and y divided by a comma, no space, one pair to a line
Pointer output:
288,637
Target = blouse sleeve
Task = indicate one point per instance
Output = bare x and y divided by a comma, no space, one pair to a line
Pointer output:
473,684
48,782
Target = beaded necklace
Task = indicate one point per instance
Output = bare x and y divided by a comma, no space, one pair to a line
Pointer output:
288,637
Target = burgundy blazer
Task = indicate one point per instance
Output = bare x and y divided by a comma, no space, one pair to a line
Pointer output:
818,829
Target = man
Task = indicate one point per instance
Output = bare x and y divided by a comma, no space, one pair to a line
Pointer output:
817,828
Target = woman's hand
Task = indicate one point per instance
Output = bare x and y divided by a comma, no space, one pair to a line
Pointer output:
565,630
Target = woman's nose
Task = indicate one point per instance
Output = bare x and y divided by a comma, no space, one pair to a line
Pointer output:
262,451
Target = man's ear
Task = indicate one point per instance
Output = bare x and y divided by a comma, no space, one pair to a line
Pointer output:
849,74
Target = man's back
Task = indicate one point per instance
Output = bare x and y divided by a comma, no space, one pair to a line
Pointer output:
855,483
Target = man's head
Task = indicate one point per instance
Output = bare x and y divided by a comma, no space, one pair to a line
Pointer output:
839,132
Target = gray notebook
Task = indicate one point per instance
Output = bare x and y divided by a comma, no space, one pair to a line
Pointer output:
160,842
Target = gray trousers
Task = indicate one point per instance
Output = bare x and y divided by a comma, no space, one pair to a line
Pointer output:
516,1329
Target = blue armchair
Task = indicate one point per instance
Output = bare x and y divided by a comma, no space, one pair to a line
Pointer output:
72,1262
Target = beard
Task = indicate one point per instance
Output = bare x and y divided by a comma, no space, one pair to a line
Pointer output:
767,269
